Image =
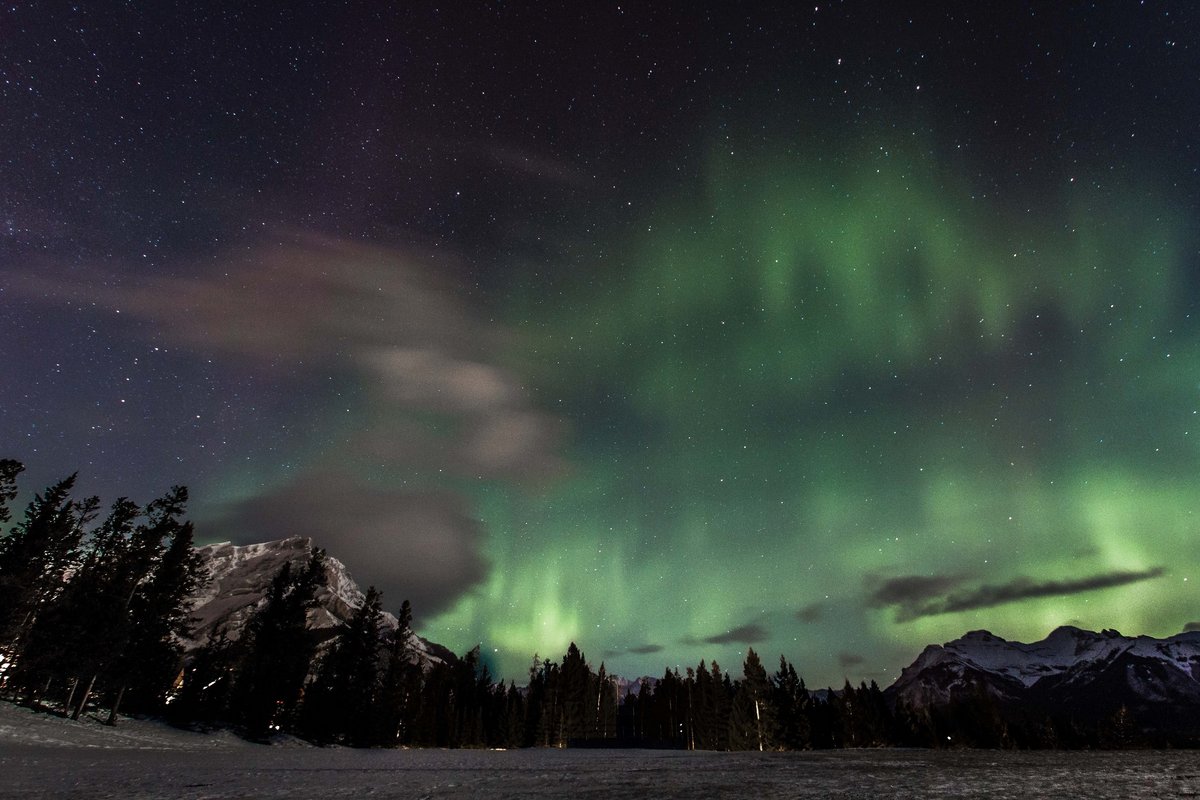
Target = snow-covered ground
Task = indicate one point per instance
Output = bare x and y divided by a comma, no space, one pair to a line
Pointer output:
21,727
43,756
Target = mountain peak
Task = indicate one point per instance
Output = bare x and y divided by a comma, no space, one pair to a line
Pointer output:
1071,665
239,578
1068,632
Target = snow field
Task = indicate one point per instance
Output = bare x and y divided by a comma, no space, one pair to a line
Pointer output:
46,757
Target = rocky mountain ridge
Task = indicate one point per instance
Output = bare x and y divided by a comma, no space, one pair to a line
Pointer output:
238,578
1072,673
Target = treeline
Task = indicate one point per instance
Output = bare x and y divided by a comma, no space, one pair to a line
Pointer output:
92,606
365,688
710,710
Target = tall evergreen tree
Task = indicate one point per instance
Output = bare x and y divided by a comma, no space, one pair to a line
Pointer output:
878,722
339,705
667,713
9,470
470,687
515,711
278,651
404,621
604,716
400,687
752,723
824,715
574,680
721,703
702,710
535,694
35,558
791,702
152,660
643,711
434,723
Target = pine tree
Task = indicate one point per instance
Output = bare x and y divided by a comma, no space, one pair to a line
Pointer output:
471,684
666,719
339,706
433,726
35,558
400,686
791,708
544,709
876,721
515,712
154,574
159,618
404,621
535,698
575,677
752,723
720,708
825,721
604,725
643,711
9,470
278,652
702,710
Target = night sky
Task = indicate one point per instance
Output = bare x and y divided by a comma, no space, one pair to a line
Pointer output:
832,330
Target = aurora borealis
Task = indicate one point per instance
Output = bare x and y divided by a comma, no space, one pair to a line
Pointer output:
850,401
832,331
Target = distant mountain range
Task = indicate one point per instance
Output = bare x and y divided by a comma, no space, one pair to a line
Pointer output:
1072,673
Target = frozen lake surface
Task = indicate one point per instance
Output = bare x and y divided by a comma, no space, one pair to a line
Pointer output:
41,756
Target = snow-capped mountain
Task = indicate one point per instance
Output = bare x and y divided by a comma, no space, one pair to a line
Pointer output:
1072,670
239,577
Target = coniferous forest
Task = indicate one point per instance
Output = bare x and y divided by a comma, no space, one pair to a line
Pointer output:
94,607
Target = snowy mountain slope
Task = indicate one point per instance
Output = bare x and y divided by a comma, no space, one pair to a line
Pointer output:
1083,672
239,577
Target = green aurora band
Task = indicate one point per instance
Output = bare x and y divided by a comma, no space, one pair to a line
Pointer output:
811,378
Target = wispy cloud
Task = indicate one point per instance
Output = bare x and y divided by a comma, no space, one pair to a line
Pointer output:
914,596
435,408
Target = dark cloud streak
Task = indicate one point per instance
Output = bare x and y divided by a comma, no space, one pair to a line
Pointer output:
915,596
750,633
847,660
647,649
907,590
811,613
